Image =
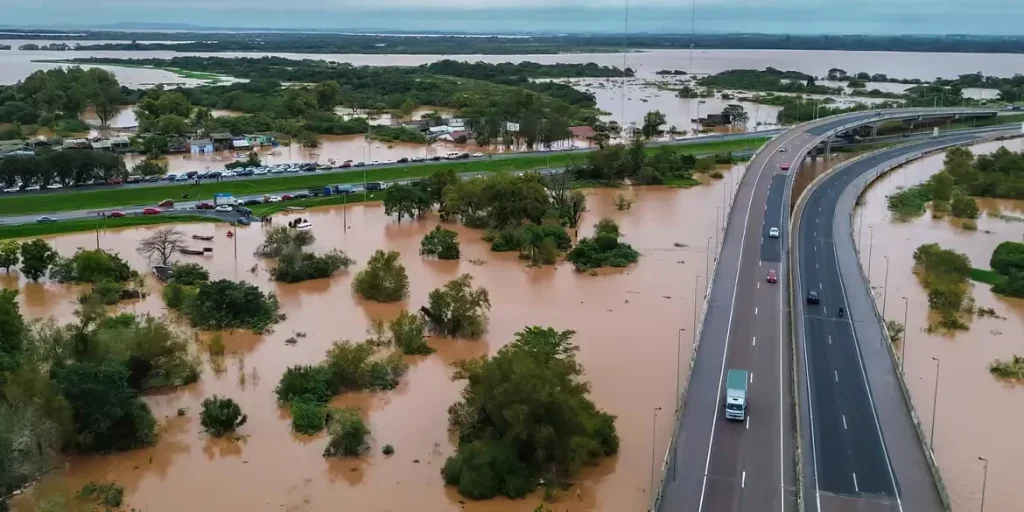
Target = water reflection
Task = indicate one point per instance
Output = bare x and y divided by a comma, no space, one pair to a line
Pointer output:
626,322
974,416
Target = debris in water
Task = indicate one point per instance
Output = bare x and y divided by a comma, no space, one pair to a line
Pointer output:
679,244
300,334
291,341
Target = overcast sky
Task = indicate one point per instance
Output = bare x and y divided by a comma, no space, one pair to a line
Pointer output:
989,17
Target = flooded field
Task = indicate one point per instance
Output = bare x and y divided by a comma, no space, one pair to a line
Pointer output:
627,325
977,415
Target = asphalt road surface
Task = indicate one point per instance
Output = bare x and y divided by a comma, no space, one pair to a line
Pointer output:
723,465
864,453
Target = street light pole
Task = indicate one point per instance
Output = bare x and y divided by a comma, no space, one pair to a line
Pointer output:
871,246
885,286
984,483
707,259
718,213
935,403
906,332
654,431
679,355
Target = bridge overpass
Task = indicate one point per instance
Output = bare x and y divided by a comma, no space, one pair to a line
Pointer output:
713,464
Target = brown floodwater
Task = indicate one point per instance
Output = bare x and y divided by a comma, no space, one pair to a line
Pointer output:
627,325
977,415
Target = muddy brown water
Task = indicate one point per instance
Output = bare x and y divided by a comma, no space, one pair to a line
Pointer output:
977,415
627,325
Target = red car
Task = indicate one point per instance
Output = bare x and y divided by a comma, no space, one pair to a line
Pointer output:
115,214
772,277
204,206
784,166
166,203
287,197
115,181
151,211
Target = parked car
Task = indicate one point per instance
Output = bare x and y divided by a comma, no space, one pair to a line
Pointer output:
204,206
151,211
171,177
115,181
287,197
301,195
166,203
46,219
435,158
250,202
183,177
360,164
115,214
273,199
403,160
224,208
152,179
773,277
477,155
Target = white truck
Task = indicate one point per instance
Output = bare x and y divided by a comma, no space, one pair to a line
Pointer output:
736,394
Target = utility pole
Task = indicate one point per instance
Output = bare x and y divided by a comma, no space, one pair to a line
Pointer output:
654,431
885,286
935,403
871,246
906,332
984,483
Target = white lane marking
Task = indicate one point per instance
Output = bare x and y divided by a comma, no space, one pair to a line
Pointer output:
754,341
829,339
844,423
759,284
728,331
824,309
820,287
836,372
743,481
871,399
755,310
857,488
748,421
751,377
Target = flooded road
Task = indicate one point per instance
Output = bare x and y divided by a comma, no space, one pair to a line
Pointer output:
977,415
627,325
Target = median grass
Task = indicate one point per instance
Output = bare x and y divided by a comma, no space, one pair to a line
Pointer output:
21,203
78,225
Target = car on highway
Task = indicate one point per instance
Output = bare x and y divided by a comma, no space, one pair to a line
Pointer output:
477,155
152,179
812,297
359,164
224,208
205,206
252,201
166,203
403,160
784,166
287,197
772,277
374,185
274,199
151,211
783,149
115,214
46,219
183,177
773,232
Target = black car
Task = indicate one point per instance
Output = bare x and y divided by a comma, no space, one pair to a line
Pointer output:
152,179
436,158
812,297
403,160
244,173
301,195
374,185
250,202
360,164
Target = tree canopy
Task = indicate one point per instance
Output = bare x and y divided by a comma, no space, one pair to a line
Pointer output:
525,416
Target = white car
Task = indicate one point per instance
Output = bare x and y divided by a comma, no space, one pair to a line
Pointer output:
388,162
477,155
773,232
783,149
373,162
228,174
260,172
54,186
223,208
274,199
416,159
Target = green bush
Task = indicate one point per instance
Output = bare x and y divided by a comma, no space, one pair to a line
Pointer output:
306,383
347,434
441,243
964,206
1007,258
407,331
221,416
1012,286
108,494
179,297
384,279
225,304
92,266
189,274
603,250
309,417
295,266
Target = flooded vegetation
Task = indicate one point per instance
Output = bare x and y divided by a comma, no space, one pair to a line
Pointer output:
973,416
626,322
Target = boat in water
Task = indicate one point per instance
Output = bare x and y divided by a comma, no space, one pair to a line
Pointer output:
206,238
304,225
196,252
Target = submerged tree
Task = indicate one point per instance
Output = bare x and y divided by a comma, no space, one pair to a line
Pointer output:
221,416
441,243
384,278
525,417
162,245
457,310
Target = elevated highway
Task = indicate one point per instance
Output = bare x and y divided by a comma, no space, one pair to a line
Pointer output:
714,464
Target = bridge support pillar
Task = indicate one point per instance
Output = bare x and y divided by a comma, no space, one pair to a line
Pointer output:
874,130
828,147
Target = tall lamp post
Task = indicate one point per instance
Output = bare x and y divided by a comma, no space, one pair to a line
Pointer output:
906,331
871,246
935,403
984,483
679,352
707,259
654,431
885,286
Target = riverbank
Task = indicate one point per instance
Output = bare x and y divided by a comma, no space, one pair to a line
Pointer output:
30,203
79,225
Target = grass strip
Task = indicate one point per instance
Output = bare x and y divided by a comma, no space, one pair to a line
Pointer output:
21,204
78,225
986,276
